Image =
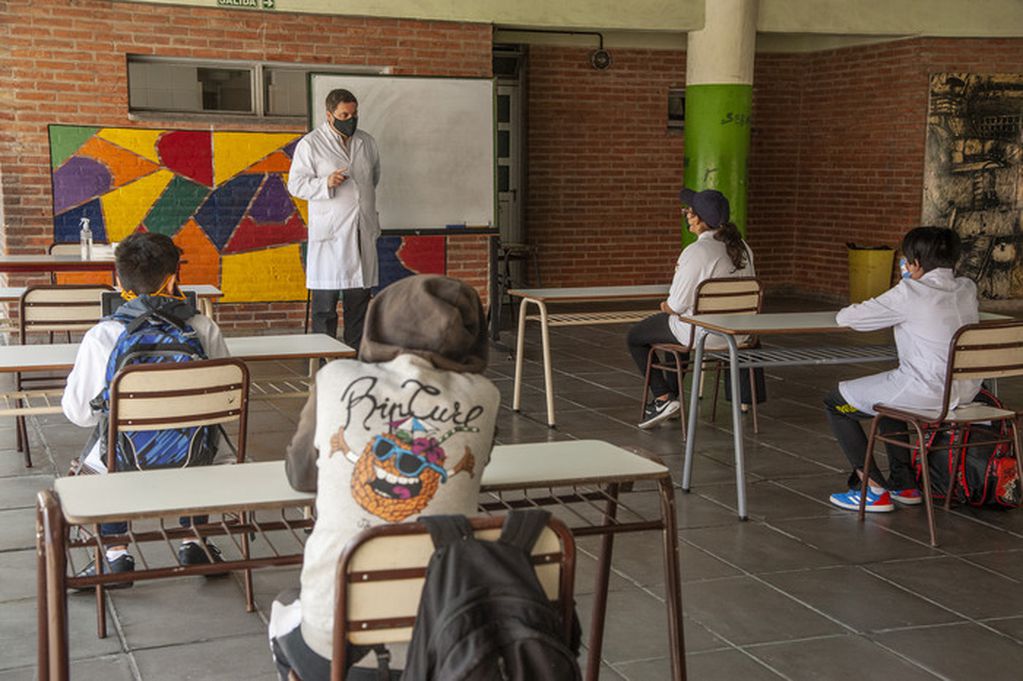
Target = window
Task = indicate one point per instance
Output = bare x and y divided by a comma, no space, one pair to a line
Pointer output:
204,89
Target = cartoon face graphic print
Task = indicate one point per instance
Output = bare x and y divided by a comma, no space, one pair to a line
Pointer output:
398,473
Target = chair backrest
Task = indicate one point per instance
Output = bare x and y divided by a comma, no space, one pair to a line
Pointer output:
382,570
65,249
179,395
60,308
730,295
983,350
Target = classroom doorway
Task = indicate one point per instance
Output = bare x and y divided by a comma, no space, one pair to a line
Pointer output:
508,62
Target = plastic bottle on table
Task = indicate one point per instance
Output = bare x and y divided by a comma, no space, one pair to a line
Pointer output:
85,239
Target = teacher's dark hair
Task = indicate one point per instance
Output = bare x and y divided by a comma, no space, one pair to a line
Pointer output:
729,234
339,96
932,247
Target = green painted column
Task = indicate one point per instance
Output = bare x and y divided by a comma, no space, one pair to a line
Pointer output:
719,100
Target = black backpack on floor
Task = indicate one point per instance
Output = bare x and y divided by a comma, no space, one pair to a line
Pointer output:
483,615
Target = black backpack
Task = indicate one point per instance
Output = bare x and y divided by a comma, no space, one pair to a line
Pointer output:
483,615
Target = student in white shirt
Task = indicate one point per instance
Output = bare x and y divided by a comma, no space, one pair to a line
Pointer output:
925,310
404,431
147,266
718,251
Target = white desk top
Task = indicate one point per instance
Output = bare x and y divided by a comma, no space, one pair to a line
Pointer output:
544,464
61,356
783,322
87,499
592,293
11,294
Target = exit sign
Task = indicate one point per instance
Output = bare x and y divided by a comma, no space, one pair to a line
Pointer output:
248,4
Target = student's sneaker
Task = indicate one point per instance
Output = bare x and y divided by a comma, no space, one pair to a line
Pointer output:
124,563
876,503
907,497
656,411
193,554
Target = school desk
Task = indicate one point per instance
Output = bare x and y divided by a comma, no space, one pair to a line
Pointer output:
597,485
204,293
730,326
60,357
542,297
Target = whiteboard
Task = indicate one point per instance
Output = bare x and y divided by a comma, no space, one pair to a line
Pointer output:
436,142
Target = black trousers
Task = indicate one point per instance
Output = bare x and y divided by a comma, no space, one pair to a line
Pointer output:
845,421
354,301
653,329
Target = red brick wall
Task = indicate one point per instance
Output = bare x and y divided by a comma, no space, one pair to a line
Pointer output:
66,63
603,172
837,155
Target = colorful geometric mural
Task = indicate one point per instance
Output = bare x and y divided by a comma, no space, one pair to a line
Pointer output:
222,197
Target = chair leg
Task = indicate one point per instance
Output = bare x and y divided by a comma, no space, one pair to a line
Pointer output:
753,400
650,357
1017,451
867,461
680,374
250,604
960,452
717,384
928,496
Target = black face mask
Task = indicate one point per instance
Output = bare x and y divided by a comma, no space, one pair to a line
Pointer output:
346,128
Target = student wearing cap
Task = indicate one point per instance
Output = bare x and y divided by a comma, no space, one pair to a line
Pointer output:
718,251
403,431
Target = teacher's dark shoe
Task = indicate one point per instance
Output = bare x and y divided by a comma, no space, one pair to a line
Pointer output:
657,411
121,564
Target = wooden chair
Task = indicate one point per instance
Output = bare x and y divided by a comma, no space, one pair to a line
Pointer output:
381,573
977,352
729,295
53,309
168,395
74,248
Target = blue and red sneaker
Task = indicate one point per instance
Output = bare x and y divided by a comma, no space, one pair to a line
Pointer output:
910,496
876,502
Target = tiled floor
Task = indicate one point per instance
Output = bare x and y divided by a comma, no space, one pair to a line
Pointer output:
801,591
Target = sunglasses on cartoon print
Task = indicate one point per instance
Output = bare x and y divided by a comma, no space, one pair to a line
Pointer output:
405,461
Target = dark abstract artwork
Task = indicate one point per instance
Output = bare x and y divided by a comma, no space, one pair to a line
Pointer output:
973,175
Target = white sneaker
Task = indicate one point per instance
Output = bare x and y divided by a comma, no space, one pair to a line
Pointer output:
657,411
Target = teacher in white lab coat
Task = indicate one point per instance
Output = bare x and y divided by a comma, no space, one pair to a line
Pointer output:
336,168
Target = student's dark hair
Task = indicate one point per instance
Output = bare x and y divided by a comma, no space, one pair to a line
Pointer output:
335,97
144,261
932,247
729,234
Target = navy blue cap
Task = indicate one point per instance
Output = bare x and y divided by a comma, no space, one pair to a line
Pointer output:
710,205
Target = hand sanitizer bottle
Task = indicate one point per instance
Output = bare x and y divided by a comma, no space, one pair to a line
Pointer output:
85,238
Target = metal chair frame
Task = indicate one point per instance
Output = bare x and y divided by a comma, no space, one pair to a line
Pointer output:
977,352
721,295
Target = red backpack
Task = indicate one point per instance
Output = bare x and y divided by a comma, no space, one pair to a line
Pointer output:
986,474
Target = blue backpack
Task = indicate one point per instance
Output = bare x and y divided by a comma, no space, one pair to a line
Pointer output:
155,332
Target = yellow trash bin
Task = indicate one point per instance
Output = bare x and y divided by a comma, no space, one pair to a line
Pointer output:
870,271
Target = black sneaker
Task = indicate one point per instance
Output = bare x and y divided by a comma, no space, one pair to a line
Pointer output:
657,411
192,554
125,563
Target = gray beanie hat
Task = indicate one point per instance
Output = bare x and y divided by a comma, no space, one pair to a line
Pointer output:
435,317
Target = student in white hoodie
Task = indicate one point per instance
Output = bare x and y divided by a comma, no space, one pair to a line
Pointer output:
925,310
718,251
406,430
